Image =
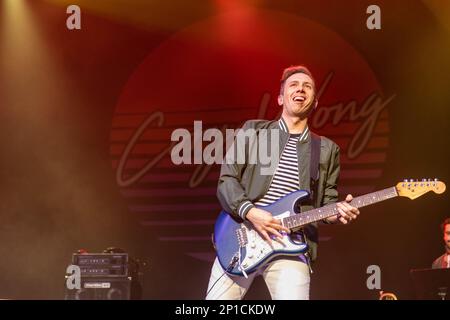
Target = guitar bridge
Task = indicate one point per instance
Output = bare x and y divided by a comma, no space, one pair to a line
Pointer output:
241,235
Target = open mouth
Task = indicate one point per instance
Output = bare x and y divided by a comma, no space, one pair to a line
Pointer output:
299,99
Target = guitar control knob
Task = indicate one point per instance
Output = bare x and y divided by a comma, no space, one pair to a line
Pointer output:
253,245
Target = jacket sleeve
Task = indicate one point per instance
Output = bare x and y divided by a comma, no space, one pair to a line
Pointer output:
330,190
230,191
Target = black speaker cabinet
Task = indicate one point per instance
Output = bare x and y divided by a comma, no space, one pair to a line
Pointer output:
101,288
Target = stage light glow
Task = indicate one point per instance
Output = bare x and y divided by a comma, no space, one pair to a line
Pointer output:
30,68
144,14
441,10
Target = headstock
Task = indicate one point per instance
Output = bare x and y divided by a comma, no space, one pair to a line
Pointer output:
414,189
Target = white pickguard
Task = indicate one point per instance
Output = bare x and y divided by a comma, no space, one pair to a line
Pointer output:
257,249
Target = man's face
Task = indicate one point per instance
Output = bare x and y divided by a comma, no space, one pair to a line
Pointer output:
298,95
447,236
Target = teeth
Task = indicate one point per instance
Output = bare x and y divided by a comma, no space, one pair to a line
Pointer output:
299,99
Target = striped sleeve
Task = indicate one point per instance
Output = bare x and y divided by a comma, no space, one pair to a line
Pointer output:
244,208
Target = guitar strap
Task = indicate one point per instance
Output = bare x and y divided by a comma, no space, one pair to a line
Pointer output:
314,178
314,165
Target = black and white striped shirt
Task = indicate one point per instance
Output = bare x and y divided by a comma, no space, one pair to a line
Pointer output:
285,179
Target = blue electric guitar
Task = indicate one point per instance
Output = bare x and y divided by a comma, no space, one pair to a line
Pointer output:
241,250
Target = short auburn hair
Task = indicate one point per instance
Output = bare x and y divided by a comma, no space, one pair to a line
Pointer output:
444,223
292,70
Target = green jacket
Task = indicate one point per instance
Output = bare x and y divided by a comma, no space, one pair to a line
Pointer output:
240,185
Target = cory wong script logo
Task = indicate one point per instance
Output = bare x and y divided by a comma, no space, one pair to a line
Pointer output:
186,147
178,112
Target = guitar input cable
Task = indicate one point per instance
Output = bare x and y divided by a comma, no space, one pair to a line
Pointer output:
230,267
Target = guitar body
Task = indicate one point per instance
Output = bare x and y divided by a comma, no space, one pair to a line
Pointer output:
241,250
240,247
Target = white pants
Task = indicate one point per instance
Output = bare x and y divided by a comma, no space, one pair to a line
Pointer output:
286,279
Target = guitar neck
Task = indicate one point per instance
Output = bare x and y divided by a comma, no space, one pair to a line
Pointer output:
329,210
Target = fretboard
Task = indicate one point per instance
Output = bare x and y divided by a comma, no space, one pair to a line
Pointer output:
318,214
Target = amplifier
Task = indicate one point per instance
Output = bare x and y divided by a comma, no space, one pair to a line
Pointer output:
101,288
102,264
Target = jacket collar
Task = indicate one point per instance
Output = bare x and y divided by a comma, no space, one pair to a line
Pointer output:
283,126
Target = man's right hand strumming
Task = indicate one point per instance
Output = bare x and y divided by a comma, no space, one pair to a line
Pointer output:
266,224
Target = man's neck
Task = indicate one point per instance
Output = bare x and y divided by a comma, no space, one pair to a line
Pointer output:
295,124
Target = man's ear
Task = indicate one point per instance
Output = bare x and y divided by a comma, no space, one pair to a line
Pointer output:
280,100
316,102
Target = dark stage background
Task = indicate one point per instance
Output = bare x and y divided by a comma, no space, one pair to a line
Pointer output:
71,101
